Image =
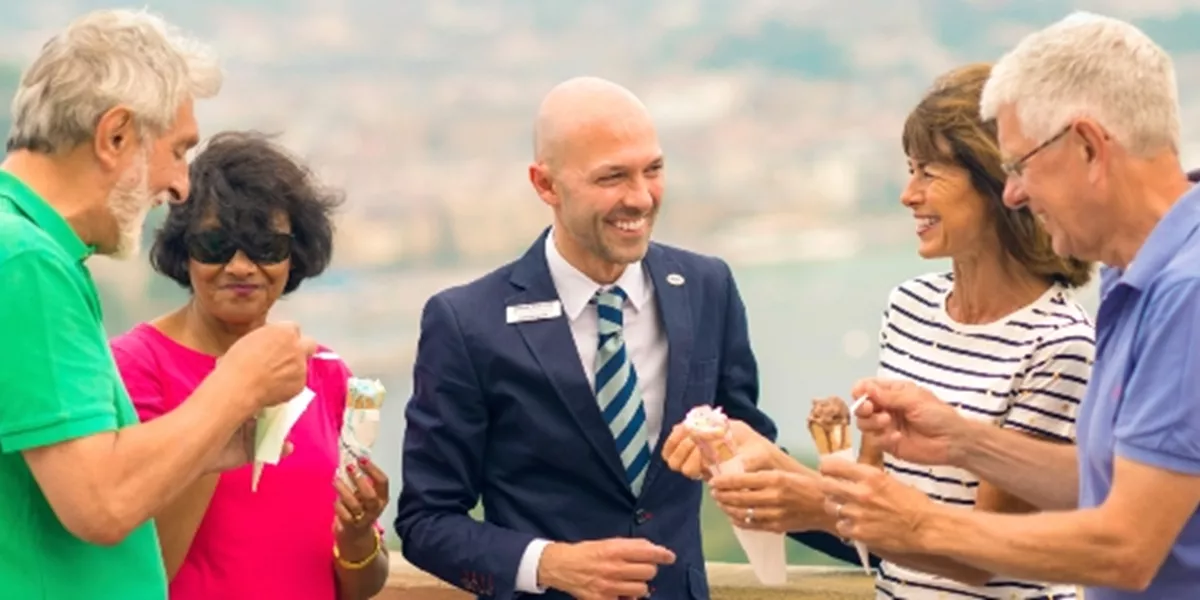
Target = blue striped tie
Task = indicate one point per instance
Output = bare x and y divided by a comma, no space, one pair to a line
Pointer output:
617,389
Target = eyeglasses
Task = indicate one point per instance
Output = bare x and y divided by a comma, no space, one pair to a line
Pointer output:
1017,167
217,247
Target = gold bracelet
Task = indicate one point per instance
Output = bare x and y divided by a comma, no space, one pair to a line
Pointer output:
354,566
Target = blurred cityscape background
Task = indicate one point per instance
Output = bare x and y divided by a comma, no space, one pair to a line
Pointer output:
780,120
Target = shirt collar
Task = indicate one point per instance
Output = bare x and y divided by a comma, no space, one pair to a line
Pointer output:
44,216
1165,240
576,290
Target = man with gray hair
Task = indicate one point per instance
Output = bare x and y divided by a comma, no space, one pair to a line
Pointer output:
1087,112
102,122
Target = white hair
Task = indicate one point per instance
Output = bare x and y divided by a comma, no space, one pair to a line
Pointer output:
1088,65
105,59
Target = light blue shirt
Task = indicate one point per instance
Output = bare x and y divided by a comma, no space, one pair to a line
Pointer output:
1143,403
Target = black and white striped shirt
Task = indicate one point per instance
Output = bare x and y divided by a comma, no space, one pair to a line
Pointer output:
1027,372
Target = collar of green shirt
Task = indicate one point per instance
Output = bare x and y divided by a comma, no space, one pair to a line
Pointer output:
44,216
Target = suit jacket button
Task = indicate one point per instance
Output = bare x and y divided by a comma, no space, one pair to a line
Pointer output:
641,516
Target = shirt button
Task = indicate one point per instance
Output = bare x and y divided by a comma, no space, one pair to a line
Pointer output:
641,516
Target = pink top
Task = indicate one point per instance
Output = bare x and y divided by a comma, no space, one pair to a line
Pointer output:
273,543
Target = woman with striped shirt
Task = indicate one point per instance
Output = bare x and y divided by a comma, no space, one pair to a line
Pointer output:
999,337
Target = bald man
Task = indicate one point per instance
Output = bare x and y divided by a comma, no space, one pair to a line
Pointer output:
542,388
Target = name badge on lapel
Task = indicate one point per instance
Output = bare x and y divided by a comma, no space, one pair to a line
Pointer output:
537,311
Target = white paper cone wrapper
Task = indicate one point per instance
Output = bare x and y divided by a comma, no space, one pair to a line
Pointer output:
863,555
360,427
764,549
271,431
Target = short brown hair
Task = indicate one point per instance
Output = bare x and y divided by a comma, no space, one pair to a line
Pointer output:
946,127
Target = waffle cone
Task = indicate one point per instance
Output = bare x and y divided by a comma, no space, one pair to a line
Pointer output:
839,438
820,438
722,451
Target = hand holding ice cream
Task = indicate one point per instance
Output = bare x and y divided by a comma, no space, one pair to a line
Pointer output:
711,432
829,425
683,454
360,423
874,508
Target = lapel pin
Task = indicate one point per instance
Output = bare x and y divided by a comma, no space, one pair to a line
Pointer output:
675,279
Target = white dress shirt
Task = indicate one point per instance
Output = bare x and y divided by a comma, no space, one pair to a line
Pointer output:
645,343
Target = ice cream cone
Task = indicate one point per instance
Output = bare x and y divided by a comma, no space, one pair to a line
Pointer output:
360,424
829,424
710,431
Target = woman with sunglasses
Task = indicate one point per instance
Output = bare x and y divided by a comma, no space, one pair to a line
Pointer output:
254,227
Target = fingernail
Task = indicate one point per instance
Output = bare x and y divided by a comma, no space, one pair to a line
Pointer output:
363,460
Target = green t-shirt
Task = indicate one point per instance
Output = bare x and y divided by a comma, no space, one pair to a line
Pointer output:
58,382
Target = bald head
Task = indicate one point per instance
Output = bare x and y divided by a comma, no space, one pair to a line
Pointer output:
578,104
600,167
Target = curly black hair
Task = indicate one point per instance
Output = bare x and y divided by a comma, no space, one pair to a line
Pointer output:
243,180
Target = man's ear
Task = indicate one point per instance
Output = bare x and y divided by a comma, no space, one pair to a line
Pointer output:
114,136
543,183
1093,139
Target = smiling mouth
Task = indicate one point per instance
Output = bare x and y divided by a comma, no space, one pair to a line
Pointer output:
630,225
924,224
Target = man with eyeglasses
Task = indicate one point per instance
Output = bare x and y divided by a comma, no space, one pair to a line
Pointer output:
1088,108
88,155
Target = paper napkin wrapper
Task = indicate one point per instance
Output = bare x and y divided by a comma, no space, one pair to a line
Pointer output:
360,423
711,431
764,549
864,555
271,430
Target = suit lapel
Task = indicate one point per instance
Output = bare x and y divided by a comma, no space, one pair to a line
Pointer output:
551,343
674,309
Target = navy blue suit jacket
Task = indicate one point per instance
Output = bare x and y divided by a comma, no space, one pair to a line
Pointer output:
504,413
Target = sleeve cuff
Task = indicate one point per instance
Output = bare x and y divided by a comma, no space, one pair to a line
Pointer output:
83,425
528,569
1161,460
1060,434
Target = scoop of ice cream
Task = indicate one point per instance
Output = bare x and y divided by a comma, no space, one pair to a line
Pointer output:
706,419
707,423
829,412
709,428
364,393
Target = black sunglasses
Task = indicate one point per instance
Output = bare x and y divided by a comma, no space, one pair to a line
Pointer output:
217,247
